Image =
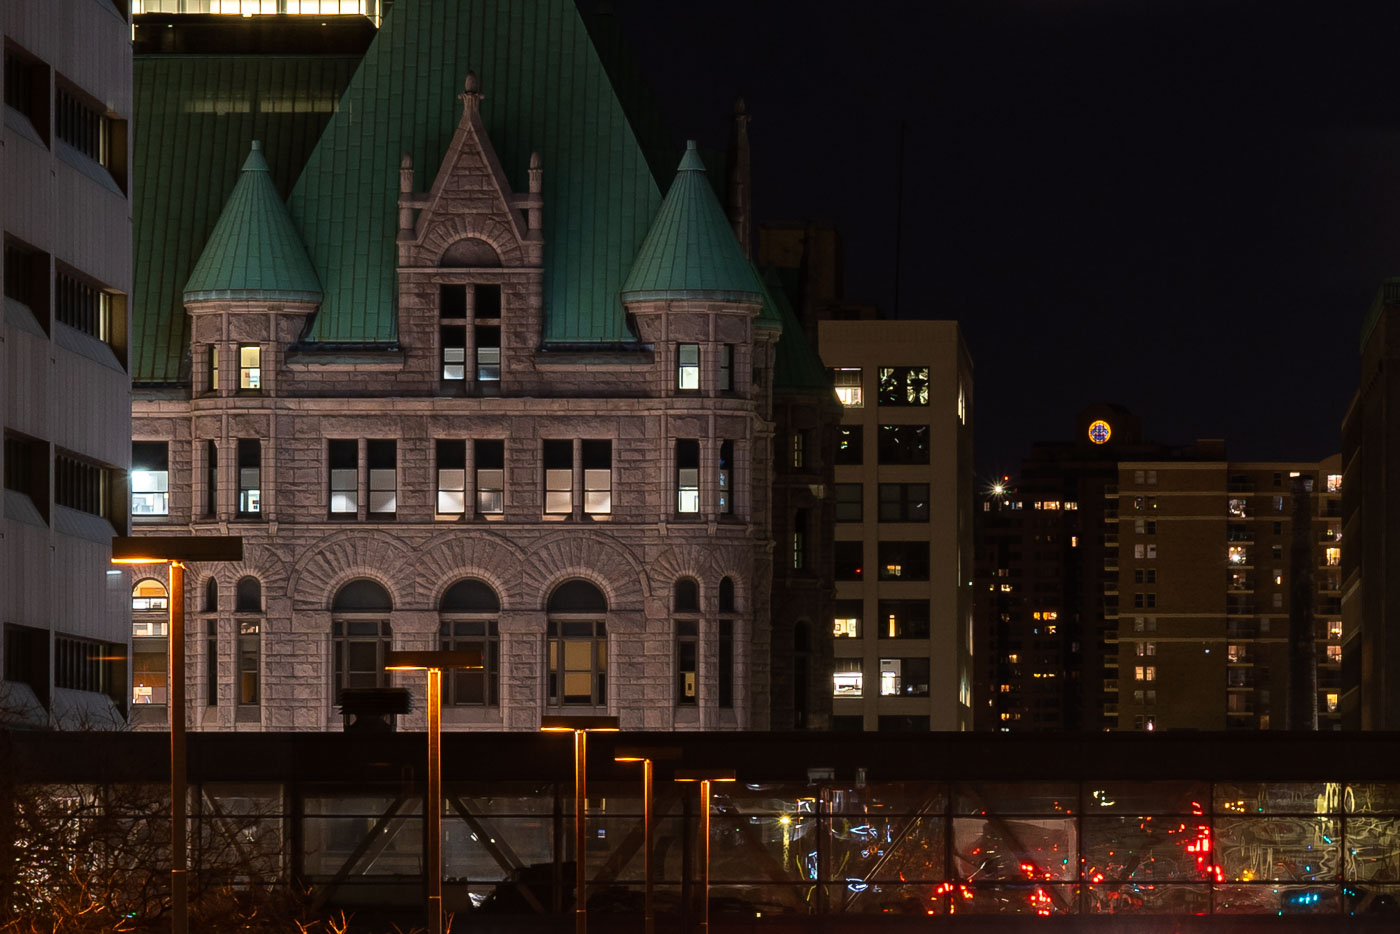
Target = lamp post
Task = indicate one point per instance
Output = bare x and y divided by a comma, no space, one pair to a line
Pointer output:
704,777
173,551
433,662
580,726
646,756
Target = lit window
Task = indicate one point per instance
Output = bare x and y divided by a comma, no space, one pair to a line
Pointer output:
249,476
799,540
1331,703
687,476
344,459
903,385
577,647
150,478
250,367
1334,483
1239,554
1334,557
249,662
488,354
846,627
725,478
1145,672
490,465
687,367
383,477
451,478
847,678
1334,653
147,595
213,367
597,477
687,661
558,477
1334,629
848,386
962,405
454,353
799,449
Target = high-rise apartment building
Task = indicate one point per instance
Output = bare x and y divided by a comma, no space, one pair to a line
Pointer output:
469,363
903,502
1229,595
65,214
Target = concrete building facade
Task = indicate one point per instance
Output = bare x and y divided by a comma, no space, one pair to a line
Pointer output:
64,395
903,542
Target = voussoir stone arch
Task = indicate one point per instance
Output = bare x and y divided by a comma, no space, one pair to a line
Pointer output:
476,226
487,556
259,561
598,559
340,558
685,561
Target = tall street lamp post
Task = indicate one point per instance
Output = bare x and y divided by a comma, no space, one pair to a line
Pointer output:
580,726
433,662
173,551
646,756
704,777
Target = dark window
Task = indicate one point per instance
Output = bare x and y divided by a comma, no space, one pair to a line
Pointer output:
903,385
488,301
577,596
558,477
726,595
27,470
849,444
597,477
249,662
902,724
904,502
468,611
362,596
81,485
249,477
27,89
726,662
850,499
687,476
211,656
903,444
85,665
687,662
26,657
903,561
904,619
27,279
725,478
490,477
82,305
687,596
211,478
247,596
800,534
81,125
451,478
848,723
799,449
359,640
344,459
726,368
904,677
801,673
849,560
452,301
211,596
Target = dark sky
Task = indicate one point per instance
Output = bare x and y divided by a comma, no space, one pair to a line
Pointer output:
1184,207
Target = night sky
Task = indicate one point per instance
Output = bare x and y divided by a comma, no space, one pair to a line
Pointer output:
1182,207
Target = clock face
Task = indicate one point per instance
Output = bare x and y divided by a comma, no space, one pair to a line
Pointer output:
1099,432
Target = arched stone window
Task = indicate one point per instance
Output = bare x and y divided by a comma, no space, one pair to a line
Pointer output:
724,677
577,645
247,597
211,595
360,635
686,606
150,629
467,617
687,596
726,595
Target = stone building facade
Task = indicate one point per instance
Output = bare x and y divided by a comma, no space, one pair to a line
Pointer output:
593,516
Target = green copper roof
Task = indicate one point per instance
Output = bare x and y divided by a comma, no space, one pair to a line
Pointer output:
195,116
796,364
691,251
547,91
254,251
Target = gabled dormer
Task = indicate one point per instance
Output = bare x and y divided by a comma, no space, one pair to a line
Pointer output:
470,258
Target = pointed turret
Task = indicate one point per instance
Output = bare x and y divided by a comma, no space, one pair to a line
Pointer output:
690,251
254,251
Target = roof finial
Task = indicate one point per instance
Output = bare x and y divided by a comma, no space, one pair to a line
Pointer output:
471,95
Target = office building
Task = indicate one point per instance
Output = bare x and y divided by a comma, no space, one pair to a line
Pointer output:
64,398
902,621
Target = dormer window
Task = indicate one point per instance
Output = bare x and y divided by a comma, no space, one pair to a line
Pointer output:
469,336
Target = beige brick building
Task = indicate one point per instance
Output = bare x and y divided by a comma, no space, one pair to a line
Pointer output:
65,213
498,393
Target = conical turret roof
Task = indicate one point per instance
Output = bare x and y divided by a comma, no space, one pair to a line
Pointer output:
254,251
690,251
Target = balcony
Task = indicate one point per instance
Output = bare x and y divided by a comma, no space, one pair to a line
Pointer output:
1236,607
1240,534
1239,485
1242,629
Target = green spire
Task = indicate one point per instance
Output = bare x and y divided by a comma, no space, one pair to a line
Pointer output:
690,251
254,251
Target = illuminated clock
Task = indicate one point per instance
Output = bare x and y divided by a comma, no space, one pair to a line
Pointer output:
1099,432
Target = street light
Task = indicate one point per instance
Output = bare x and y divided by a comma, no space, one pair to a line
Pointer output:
433,662
704,777
580,726
646,756
173,550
